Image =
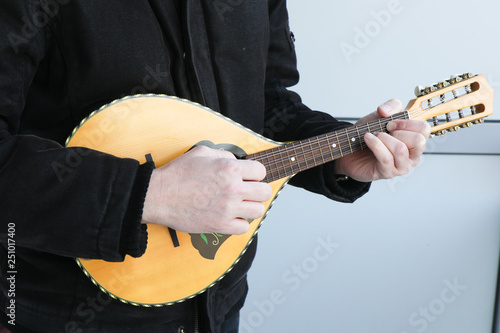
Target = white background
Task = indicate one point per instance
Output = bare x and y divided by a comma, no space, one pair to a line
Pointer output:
418,253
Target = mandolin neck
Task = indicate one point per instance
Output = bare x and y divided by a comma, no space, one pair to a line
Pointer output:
292,158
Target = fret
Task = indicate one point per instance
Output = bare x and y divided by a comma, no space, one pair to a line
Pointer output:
380,125
368,130
266,160
321,150
269,160
303,160
291,160
340,145
349,141
276,174
312,150
305,157
330,146
359,138
300,158
281,157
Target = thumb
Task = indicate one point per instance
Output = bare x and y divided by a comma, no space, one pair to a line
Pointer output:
389,108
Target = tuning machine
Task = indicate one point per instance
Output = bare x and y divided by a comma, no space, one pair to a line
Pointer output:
447,130
440,132
456,128
442,84
458,78
467,76
421,91
455,79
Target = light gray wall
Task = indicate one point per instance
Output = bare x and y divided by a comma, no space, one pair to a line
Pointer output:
419,253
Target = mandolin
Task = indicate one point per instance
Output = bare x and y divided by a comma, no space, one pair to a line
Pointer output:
176,265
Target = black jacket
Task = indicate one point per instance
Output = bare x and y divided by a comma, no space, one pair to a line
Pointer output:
61,60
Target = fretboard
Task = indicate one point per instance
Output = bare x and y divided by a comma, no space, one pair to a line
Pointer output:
292,158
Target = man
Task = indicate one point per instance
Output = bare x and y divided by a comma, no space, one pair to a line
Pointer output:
62,59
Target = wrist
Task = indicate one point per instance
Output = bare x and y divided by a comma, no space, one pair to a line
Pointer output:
150,211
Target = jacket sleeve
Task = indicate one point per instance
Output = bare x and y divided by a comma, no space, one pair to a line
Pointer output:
288,119
66,201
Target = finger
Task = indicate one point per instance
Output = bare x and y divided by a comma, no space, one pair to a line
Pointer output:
391,154
415,142
237,226
252,170
251,210
379,150
402,163
390,107
417,126
244,213
256,191
370,117
385,110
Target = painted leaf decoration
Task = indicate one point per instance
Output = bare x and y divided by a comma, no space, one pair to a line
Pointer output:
204,238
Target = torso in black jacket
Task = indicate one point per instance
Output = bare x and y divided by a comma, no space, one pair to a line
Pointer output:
62,59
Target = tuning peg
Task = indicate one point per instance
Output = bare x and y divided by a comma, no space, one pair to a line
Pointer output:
467,76
442,84
453,129
428,90
469,124
419,91
479,121
440,133
455,78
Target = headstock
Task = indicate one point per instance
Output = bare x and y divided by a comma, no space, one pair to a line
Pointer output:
459,102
